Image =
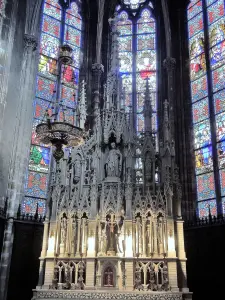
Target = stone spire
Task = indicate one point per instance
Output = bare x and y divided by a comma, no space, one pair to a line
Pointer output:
147,109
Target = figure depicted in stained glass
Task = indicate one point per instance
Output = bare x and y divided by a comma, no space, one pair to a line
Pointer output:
220,125
198,63
217,34
221,154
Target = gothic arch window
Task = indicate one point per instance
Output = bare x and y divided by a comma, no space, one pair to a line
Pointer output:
59,25
206,29
138,63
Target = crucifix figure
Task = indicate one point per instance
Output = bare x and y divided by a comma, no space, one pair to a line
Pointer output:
108,277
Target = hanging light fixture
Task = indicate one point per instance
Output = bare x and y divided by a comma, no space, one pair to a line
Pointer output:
53,132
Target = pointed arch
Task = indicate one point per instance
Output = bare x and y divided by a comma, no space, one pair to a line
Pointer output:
58,26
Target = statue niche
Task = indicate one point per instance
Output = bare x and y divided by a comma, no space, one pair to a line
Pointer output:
108,277
113,164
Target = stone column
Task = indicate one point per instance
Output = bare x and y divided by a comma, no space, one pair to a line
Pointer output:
97,70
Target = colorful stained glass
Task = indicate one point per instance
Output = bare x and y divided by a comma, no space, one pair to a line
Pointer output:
41,107
51,26
69,97
203,160
198,67
195,25
218,78
199,88
39,159
217,55
73,21
221,154
217,32
45,88
205,207
192,2
70,76
72,36
200,110
124,25
205,186
36,185
49,45
140,123
223,205
146,41
53,11
47,67
67,115
74,10
125,62
146,28
202,134
146,60
34,139
141,81
141,99
76,56
220,127
196,45
127,83
194,10
209,2
128,102
216,11
222,182
125,43
219,101
30,205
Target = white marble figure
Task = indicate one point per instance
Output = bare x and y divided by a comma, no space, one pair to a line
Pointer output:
114,162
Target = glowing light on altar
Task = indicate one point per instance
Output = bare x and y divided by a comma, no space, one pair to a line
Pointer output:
91,244
171,243
129,246
51,243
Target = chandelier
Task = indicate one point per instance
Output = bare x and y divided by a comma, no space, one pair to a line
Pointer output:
56,133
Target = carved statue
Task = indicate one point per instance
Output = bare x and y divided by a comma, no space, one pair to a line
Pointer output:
63,229
114,162
152,283
77,169
160,234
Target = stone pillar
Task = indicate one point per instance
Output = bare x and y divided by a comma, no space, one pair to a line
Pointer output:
78,237
129,267
97,70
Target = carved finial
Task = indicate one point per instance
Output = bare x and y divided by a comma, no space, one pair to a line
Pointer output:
82,105
166,121
147,109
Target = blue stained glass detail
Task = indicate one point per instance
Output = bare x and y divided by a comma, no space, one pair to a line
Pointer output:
72,36
48,67
217,55
205,186
146,60
49,45
209,2
200,110
146,41
40,108
206,206
199,88
195,25
29,206
141,80
194,10
202,134
192,2
76,55
53,11
69,97
222,182
51,26
36,184
125,62
220,127
218,78
223,205
45,88
125,43
39,159
219,101
203,160
124,25
196,45
198,67
217,32
127,83
221,154
215,11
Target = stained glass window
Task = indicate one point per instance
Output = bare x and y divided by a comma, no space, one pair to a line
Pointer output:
208,100
58,26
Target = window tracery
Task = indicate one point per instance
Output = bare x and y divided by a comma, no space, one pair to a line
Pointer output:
58,26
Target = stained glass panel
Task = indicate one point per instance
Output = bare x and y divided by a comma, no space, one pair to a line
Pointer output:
140,123
72,36
76,56
222,182
73,21
192,2
198,67
69,96
128,101
146,41
200,110
39,159
146,28
221,154
70,76
194,10
141,99
205,186
205,207
49,45
51,26
209,2
47,67
217,55
216,11
199,88
195,25
219,101
53,11
146,17
73,10
220,127
218,79
146,60
67,115
202,134
141,80
203,160
125,43
217,32
34,139
124,25
196,45
45,88
223,205
29,206
36,185
127,82
40,108
125,62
